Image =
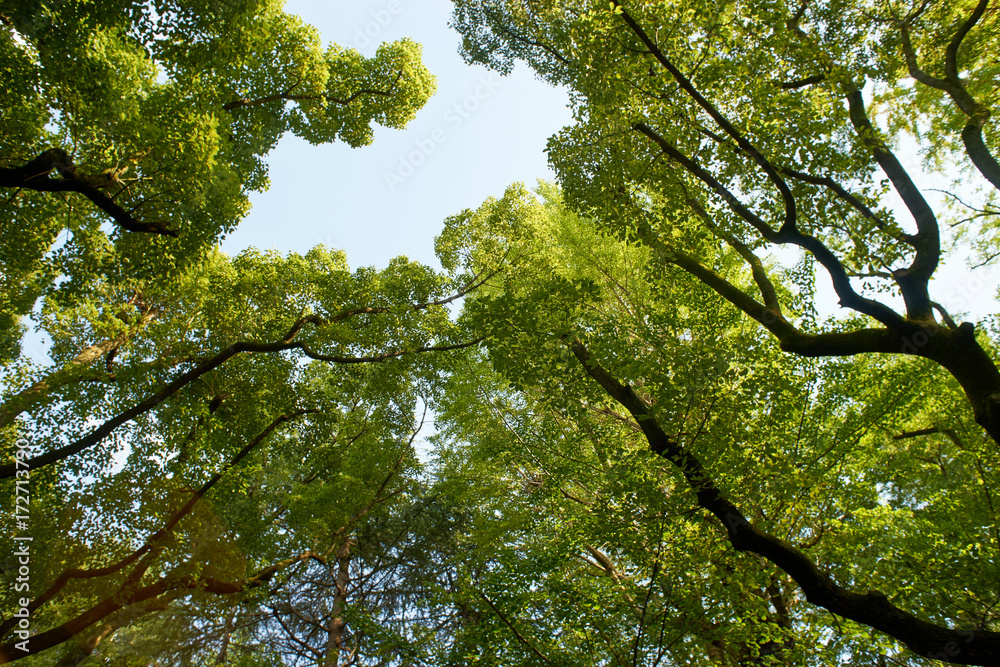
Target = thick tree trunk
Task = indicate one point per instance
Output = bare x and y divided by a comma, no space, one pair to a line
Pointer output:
335,636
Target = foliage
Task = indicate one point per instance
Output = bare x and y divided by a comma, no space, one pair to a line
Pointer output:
157,117
627,465
746,125
276,398
599,551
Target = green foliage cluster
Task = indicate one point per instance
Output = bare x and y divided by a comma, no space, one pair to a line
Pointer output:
604,540
167,109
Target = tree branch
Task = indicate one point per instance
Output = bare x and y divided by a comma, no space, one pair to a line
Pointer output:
927,242
854,202
156,538
243,102
36,176
97,435
744,144
849,298
71,372
872,608
951,52
706,177
757,270
521,638
802,83
979,153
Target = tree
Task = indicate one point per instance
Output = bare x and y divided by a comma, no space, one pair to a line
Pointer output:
626,426
267,407
746,124
139,129
382,601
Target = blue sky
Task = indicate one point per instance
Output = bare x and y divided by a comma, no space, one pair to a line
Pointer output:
478,134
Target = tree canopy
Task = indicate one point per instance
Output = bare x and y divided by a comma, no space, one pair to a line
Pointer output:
138,129
653,443
625,397
749,128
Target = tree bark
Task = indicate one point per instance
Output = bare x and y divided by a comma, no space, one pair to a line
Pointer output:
335,634
979,153
36,176
958,351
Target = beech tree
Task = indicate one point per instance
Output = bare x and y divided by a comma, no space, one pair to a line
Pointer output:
266,405
745,125
669,487
651,448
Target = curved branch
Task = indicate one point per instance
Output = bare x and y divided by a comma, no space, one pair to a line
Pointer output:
802,83
871,608
164,589
912,281
767,291
129,594
979,153
103,431
765,230
473,284
383,357
923,215
36,176
849,298
86,646
744,144
913,67
71,628
954,86
951,52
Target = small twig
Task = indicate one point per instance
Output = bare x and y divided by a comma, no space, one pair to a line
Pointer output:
517,634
